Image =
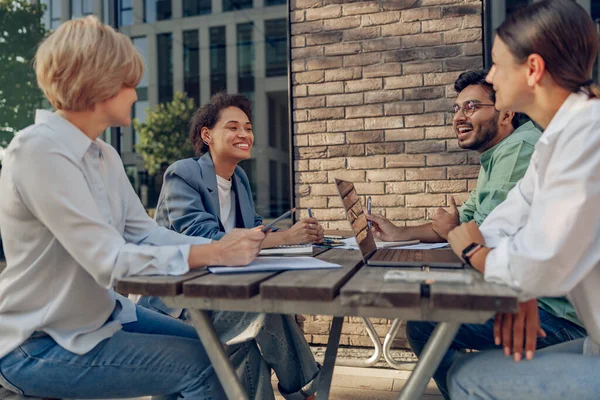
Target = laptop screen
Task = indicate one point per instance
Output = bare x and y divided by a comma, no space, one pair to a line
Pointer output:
356,216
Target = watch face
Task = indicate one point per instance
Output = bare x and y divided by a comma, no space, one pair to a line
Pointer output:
470,247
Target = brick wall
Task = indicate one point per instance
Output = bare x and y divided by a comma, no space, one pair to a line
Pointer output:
371,83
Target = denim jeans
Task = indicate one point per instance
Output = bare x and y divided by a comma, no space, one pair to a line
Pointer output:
282,345
155,356
481,337
555,373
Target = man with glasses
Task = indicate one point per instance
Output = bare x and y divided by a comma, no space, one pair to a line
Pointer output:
505,141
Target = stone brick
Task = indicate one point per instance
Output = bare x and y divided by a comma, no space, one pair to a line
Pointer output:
347,175
461,10
426,3
404,134
425,146
324,63
385,148
386,175
425,200
357,60
345,100
405,187
424,174
401,82
446,186
342,48
422,40
405,213
309,102
473,158
422,67
381,18
463,63
452,146
311,177
303,4
404,108
298,41
440,132
314,202
411,121
321,139
343,74
372,110
346,151
333,11
422,93
463,36
297,16
306,153
307,27
311,127
439,25
443,105
445,51
388,200
326,113
472,21
472,184
323,189
370,188
365,137
404,160
363,33
306,52
421,14
323,38
473,49
381,44
327,164
300,116
309,77
326,88
341,23
383,96
363,85
302,190
360,8
446,159
300,90
370,162
300,140
400,29
301,165
403,55
440,78
317,328
466,172
383,123
298,65
345,125
381,70
398,4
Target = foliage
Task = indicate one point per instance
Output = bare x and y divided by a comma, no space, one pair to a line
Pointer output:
164,136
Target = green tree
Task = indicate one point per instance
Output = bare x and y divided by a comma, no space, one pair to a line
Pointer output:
21,29
164,137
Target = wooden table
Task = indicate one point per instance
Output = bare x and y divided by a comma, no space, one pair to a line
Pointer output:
353,290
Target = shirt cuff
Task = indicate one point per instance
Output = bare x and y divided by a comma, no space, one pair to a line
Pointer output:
179,265
496,264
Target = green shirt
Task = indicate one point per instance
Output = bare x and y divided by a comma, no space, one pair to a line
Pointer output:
502,167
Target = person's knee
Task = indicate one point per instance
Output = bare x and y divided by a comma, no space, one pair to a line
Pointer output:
417,333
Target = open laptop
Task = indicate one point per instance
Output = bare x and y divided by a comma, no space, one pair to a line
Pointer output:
444,258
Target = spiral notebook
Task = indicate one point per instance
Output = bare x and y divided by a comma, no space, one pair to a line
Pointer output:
299,249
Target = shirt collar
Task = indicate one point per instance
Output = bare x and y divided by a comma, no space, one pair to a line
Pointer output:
489,152
68,134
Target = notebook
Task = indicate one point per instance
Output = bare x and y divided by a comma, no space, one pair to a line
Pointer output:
300,249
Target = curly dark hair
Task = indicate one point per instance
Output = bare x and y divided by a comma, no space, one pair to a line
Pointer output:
477,77
209,114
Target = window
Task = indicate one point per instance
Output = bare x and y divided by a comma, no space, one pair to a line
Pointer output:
275,2
125,12
276,47
157,10
80,8
196,7
274,189
52,15
191,65
245,58
106,12
232,5
164,44
139,108
249,167
218,60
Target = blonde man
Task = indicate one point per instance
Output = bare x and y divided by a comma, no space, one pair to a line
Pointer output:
72,225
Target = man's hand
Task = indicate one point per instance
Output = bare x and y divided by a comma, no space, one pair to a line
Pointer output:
444,221
305,231
239,247
463,235
511,330
383,228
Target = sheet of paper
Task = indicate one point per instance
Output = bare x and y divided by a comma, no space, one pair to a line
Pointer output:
272,264
422,246
350,244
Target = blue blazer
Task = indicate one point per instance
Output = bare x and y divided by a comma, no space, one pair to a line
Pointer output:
189,200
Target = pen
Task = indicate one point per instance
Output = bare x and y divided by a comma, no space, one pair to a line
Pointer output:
309,212
369,210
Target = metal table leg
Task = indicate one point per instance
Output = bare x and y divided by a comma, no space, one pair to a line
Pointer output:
219,359
387,344
368,362
434,351
330,356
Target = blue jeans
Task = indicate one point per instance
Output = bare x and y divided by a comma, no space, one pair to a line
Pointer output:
282,345
481,337
555,373
155,356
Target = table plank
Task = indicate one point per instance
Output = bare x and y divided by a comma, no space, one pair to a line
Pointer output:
226,286
367,288
316,284
156,285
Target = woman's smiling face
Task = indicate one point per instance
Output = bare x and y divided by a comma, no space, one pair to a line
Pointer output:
231,137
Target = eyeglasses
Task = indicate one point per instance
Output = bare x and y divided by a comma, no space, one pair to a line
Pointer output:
468,108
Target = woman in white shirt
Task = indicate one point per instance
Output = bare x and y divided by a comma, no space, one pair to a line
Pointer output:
545,238
72,225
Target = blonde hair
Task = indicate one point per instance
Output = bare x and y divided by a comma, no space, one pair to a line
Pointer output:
85,62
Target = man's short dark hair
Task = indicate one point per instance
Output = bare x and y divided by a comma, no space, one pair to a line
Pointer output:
477,77
209,114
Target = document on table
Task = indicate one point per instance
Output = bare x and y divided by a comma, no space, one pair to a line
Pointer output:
273,264
350,244
423,246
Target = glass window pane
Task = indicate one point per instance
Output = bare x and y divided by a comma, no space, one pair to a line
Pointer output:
245,56
55,8
150,10
274,2
76,10
276,47
218,60
196,7
141,43
232,5
87,7
139,112
165,67
46,19
163,9
191,65
105,10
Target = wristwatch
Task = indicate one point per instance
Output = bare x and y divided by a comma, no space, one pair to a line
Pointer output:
470,250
